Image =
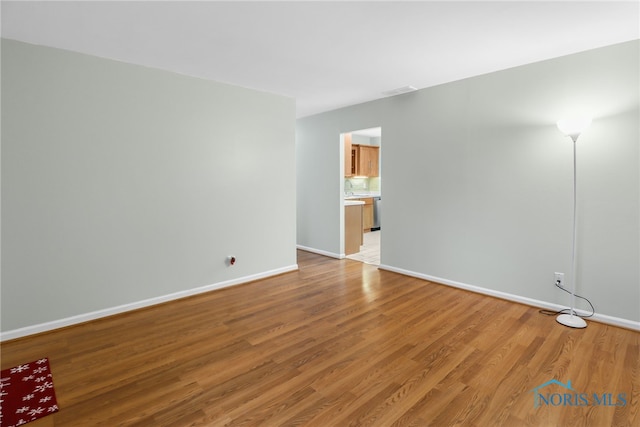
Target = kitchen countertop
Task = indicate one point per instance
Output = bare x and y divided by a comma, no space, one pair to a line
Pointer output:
353,202
362,195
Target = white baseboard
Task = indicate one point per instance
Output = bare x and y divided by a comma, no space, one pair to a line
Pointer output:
73,320
321,252
602,318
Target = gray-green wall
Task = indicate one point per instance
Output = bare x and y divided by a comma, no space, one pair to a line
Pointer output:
477,181
124,185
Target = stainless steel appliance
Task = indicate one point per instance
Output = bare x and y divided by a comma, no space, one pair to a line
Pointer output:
377,210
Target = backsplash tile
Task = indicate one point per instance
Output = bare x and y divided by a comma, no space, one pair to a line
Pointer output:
355,185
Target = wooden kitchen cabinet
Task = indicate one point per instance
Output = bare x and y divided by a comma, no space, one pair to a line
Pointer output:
367,214
369,164
365,160
352,229
348,159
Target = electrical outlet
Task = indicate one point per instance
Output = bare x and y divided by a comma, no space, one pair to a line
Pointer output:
559,279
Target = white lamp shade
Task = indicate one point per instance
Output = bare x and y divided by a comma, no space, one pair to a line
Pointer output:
573,127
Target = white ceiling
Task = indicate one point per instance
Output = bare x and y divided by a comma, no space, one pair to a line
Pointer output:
326,55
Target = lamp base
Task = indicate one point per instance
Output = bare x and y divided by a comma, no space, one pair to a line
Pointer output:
571,321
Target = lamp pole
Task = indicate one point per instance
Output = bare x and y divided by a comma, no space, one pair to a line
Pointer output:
573,128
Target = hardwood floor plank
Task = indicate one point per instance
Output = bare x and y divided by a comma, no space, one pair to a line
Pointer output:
335,343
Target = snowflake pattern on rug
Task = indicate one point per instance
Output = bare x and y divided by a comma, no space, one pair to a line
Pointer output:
26,393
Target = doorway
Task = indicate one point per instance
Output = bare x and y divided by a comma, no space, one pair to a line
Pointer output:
363,182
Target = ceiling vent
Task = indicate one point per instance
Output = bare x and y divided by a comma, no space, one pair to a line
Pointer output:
399,91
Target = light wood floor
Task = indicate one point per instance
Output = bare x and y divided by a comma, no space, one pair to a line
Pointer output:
337,343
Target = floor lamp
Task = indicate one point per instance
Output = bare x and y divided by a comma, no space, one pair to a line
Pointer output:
573,128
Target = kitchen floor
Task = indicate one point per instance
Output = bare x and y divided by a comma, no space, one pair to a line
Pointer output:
370,250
